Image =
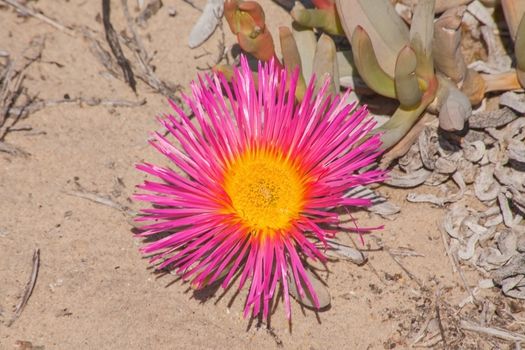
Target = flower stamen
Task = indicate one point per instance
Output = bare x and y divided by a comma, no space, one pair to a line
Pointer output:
266,190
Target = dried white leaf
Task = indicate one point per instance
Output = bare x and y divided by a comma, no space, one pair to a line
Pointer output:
467,252
445,166
346,252
409,180
474,151
516,151
207,22
505,210
483,15
485,188
379,205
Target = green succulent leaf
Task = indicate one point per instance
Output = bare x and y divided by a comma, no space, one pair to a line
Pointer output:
291,58
306,44
513,11
368,66
325,63
317,18
406,82
386,29
421,36
345,62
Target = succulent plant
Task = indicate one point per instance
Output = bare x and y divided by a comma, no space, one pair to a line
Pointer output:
421,65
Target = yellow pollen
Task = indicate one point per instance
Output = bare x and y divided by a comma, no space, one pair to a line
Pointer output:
265,189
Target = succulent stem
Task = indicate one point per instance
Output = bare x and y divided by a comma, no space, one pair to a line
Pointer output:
403,119
325,63
501,82
519,49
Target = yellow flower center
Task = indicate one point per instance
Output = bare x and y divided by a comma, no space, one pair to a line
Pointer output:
266,190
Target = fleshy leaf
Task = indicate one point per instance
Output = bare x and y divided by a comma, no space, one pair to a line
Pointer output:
379,19
246,20
324,18
325,63
473,87
291,59
446,48
421,37
406,81
368,66
306,43
513,11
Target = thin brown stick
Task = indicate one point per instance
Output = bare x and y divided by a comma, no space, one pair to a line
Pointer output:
28,289
501,81
112,39
40,16
143,58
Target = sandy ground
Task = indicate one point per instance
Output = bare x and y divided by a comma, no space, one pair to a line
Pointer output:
94,290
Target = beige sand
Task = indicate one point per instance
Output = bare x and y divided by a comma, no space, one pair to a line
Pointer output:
94,290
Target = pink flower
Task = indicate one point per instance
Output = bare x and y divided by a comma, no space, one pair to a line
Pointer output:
255,181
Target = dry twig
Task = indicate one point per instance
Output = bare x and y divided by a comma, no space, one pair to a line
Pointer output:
143,59
112,39
409,274
104,200
28,289
492,331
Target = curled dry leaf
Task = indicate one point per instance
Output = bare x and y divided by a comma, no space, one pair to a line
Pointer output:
473,151
510,177
445,166
380,205
428,147
468,171
411,161
485,187
436,179
408,180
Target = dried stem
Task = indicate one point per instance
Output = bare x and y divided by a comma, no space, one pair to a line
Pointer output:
28,289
